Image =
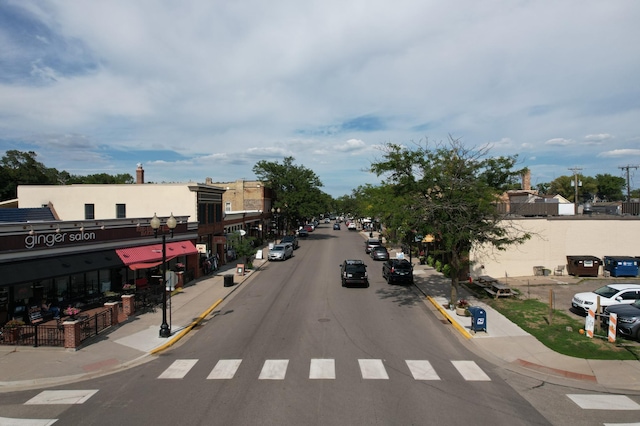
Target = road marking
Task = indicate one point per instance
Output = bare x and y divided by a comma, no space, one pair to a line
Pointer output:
178,369
322,369
422,370
62,397
604,402
372,369
470,371
225,369
274,369
6,421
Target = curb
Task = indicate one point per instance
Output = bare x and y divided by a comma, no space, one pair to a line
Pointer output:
453,322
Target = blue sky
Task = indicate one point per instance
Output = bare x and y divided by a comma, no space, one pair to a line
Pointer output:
202,88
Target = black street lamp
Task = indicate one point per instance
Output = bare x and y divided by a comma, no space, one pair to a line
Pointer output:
276,213
165,330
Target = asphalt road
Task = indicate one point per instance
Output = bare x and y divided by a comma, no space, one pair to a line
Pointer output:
292,347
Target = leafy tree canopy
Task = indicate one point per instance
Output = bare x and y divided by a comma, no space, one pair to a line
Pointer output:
296,190
450,191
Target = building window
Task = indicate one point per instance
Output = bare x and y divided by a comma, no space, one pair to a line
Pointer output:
121,211
227,206
89,211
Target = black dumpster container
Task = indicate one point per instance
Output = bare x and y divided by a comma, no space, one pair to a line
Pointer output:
228,280
583,266
478,318
621,266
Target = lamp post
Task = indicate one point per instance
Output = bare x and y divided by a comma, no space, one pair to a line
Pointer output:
276,213
165,330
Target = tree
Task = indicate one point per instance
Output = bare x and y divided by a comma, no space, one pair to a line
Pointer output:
451,192
243,246
296,190
610,187
22,168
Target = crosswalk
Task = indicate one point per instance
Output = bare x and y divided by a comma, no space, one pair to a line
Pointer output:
325,369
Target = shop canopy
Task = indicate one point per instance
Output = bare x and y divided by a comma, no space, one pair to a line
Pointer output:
145,257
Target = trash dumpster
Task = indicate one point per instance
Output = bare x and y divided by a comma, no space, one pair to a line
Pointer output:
228,280
621,266
583,266
478,318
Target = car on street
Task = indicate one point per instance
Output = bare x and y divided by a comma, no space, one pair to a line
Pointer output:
379,253
303,233
280,252
354,271
610,294
352,226
308,227
292,239
371,243
336,226
397,271
628,319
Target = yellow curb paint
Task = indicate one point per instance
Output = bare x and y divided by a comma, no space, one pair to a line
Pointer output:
453,322
186,329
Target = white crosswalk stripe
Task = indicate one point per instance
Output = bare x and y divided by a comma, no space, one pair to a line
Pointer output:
373,369
274,369
470,371
604,402
322,369
178,369
422,370
65,397
225,369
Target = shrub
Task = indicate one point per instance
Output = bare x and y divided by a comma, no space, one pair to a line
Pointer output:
438,266
446,270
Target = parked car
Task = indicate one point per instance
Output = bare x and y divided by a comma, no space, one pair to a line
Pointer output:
611,294
354,271
303,233
336,226
379,253
308,227
371,243
281,252
628,319
292,239
397,271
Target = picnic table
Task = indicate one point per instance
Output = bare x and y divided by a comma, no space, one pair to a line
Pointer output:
499,290
486,280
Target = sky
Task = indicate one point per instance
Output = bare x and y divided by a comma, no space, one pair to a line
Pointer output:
207,88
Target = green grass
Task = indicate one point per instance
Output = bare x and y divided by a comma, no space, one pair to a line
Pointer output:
561,333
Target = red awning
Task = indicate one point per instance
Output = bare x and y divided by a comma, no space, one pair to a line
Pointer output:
145,257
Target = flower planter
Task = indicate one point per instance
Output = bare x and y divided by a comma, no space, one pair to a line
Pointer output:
462,312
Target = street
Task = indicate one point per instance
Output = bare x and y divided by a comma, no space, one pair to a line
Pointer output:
293,347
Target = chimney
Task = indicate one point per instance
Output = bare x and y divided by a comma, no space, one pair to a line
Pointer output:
139,174
526,180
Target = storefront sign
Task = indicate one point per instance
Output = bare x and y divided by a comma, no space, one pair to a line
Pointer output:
51,239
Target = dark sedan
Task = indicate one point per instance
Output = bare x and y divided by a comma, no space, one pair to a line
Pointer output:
379,253
628,319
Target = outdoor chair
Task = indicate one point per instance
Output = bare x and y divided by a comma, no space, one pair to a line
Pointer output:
559,270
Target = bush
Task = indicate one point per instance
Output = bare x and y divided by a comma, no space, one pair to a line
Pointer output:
430,260
446,270
438,266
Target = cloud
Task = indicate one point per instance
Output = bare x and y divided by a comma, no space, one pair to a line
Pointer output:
560,142
620,153
599,138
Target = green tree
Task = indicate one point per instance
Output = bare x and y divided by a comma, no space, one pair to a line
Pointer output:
450,191
22,168
565,186
244,247
610,187
296,190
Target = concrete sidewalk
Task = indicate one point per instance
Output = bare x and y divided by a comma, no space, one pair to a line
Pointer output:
136,341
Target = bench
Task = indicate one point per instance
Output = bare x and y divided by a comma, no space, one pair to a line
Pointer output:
499,290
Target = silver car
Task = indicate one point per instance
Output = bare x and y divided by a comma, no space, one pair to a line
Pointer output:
281,252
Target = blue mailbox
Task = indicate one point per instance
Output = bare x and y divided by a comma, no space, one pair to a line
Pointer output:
478,318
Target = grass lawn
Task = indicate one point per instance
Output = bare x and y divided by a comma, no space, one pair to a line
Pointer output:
561,333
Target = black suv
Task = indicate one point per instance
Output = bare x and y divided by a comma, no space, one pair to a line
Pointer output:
397,271
354,272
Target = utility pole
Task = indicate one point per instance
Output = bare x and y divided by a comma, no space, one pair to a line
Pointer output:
575,171
627,167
